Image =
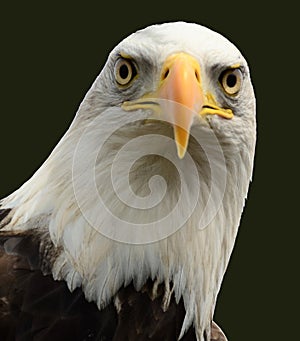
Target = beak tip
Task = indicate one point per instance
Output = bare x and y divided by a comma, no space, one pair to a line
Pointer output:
181,151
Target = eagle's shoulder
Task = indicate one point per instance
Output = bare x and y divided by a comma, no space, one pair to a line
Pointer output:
33,306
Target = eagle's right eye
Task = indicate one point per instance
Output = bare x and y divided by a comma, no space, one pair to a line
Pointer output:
125,71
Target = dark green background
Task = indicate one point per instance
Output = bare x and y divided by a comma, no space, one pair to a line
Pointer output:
50,55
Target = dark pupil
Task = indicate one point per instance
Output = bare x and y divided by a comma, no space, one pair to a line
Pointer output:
124,71
231,81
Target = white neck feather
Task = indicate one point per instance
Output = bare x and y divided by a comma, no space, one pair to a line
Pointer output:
193,260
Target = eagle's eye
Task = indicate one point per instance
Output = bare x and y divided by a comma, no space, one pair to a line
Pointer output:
231,81
125,71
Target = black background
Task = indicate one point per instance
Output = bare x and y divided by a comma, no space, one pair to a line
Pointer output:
50,55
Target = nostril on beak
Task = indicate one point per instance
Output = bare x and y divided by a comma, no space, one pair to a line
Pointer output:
197,75
165,74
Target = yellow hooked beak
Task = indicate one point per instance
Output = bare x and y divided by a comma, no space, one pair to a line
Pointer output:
181,90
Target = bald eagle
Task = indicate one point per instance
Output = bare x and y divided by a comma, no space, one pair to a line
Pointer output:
126,230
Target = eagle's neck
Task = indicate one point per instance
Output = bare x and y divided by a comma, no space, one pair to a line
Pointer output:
190,259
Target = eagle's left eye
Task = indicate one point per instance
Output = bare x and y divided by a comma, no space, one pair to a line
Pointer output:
125,71
231,81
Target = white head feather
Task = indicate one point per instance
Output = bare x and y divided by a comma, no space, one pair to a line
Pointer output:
59,197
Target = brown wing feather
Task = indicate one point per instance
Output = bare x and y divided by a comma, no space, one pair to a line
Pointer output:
35,307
